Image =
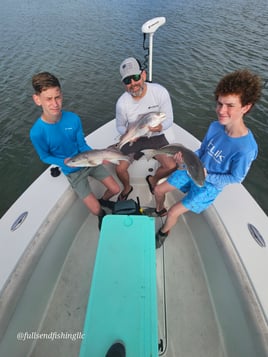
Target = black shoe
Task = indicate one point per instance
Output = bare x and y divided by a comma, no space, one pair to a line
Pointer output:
106,203
160,238
100,218
116,350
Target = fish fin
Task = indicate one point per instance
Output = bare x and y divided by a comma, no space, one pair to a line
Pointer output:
114,147
116,161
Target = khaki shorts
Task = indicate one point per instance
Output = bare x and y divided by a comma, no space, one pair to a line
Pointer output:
79,179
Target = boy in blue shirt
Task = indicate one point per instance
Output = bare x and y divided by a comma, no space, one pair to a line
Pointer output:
226,152
58,135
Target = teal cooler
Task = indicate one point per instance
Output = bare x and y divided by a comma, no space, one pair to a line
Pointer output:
122,302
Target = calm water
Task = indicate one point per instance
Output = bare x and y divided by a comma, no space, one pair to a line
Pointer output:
83,43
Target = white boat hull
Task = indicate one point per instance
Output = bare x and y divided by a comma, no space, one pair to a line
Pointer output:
212,290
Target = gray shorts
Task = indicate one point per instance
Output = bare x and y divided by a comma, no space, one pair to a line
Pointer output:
79,179
143,143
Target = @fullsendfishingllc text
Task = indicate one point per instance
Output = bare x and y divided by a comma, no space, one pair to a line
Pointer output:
53,335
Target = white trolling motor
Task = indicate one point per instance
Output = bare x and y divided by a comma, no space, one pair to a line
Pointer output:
150,27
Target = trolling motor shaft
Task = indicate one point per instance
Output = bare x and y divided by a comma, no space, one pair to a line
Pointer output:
150,27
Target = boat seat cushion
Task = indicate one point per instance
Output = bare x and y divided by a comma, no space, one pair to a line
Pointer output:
123,299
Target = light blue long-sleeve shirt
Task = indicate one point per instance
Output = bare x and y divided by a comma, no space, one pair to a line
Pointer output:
226,159
58,141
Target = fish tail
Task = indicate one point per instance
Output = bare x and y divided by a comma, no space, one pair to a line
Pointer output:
149,153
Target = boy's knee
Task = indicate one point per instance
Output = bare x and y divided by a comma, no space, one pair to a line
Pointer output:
157,190
120,167
116,189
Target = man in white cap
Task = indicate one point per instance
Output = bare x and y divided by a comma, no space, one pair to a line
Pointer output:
141,98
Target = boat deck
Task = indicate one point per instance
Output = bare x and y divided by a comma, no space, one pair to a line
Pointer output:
187,322
211,281
205,305
67,308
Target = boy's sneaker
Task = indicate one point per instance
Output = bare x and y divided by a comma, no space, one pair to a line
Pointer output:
160,237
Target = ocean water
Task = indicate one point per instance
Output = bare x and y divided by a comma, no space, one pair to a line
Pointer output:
83,43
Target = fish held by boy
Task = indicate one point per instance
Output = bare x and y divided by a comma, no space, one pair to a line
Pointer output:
192,162
96,157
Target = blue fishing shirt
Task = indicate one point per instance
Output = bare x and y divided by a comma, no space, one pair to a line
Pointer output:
58,141
226,159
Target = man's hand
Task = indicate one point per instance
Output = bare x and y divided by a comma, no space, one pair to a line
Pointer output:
157,128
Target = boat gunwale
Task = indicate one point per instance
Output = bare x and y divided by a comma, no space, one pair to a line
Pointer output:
20,276
254,310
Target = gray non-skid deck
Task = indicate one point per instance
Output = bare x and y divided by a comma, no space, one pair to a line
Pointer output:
67,307
187,324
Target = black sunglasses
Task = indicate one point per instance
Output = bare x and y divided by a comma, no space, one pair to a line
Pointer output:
135,77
